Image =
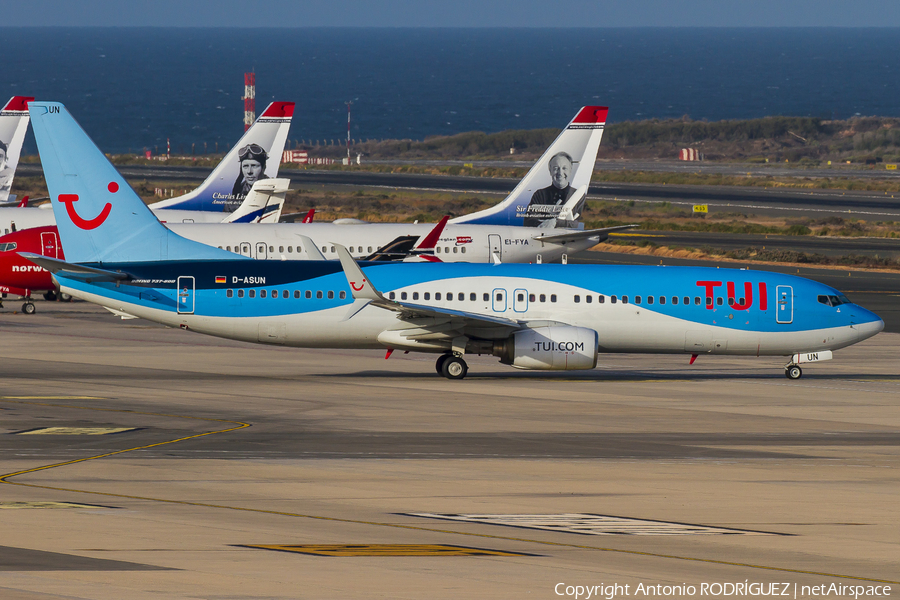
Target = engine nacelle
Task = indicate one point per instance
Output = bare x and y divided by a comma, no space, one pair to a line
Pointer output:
559,348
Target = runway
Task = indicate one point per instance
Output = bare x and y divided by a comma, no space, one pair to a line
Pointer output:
377,478
772,201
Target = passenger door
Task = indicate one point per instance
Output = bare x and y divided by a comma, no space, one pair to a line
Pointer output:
185,295
245,249
784,302
495,248
49,244
520,300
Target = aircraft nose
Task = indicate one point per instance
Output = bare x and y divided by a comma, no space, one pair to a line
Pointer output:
870,328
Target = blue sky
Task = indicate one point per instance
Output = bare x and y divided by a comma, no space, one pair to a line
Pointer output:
454,13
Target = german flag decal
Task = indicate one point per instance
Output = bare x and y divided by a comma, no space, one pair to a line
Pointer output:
221,279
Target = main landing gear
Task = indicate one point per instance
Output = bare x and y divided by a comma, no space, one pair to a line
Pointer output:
451,366
28,308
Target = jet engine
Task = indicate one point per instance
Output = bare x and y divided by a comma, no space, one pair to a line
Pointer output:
554,348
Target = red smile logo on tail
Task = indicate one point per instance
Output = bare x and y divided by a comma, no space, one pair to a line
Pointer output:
70,199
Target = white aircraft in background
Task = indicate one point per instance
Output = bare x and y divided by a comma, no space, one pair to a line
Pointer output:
13,124
550,198
256,157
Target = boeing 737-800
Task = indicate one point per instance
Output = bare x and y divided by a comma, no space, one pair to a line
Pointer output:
556,317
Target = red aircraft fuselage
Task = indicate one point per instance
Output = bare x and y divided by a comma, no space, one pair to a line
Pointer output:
19,276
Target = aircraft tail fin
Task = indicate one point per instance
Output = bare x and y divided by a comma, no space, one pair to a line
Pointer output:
99,217
559,174
226,187
13,125
23,202
263,204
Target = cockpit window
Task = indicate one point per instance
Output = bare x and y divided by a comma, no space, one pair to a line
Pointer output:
8,246
833,300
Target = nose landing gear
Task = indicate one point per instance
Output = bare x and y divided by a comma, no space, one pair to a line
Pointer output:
793,372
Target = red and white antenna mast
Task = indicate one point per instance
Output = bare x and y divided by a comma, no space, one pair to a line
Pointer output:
249,99
348,130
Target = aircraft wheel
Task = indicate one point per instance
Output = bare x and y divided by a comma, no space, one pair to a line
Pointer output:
793,372
439,363
65,297
50,296
454,367
28,308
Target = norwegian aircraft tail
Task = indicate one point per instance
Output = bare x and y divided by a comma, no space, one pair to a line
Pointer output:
99,217
544,197
13,124
256,156
263,204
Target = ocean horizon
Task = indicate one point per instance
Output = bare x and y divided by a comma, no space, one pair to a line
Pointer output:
132,88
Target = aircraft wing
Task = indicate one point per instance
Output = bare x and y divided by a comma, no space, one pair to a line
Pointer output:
55,265
364,294
574,236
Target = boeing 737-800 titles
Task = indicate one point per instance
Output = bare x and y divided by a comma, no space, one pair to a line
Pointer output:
557,317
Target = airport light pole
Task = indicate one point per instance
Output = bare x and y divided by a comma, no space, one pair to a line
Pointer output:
348,130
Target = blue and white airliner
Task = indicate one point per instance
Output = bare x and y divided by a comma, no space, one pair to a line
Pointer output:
550,316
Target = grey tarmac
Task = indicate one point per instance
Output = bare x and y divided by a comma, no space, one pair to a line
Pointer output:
239,445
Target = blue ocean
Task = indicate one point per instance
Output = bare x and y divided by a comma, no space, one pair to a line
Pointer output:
133,88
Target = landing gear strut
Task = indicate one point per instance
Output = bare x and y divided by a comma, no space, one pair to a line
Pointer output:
451,366
793,372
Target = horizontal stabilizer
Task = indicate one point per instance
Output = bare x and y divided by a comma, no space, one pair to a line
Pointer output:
54,265
574,236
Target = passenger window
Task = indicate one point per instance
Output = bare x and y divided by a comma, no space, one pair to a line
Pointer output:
370,249
428,295
392,296
531,297
455,249
2,248
674,299
463,249
274,294
240,293
251,293
588,299
437,250
342,295
612,299
262,293
285,294
709,301
271,248
230,293
290,249
281,248
449,296
437,295
332,249
324,249
318,294
403,295
472,296
552,297
228,248
649,299
697,300
297,294
637,299
309,294
577,299
543,298
486,297
719,301
499,297
662,299
461,296
331,294
601,299
624,299
415,295
686,300
731,302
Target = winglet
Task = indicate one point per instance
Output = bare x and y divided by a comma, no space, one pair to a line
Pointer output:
360,286
23,203
433,236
